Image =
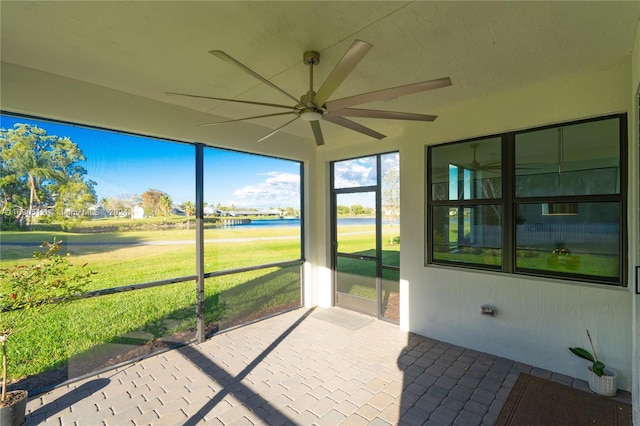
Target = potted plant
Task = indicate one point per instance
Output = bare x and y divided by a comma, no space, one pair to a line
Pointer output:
561,256
601,380
26,292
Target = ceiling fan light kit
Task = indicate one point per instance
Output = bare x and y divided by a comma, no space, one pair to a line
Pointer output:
310,115
315,106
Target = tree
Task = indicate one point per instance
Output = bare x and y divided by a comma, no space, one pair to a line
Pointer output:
164,204
358,209
113,205
391,196
290,212
343,210
104,202
151,202
35,167
33,289
189,209
73,197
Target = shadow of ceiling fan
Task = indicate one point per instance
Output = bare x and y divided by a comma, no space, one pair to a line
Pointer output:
315,106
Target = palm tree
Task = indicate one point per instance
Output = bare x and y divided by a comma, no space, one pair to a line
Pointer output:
29,152
164,204
189,208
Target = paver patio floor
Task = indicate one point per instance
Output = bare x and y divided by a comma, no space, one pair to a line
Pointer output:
319,366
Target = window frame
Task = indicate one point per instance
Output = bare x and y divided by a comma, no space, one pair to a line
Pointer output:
510,203
198,164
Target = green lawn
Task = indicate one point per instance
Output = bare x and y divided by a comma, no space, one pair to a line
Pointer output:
599,265
148,314
79,329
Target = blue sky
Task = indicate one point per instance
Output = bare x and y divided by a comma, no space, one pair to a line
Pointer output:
360,172
122,165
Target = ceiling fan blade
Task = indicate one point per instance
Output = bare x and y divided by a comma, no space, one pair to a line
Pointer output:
225,57
246,118
460,165
348,62
229,100
384,94
317,132
392,115
341,121
494,165
273,132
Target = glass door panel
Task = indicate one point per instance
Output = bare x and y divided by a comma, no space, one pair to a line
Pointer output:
356,255
390,297
356,230
357,277
366,235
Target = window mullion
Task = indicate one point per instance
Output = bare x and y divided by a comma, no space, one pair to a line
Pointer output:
508,209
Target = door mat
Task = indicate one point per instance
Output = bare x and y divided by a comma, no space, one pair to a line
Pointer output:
342,318
534,401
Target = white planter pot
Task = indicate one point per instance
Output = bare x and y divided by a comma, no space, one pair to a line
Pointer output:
603,385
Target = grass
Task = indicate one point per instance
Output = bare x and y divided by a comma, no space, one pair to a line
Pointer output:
74,328
141,316
597,265
357,277
587,264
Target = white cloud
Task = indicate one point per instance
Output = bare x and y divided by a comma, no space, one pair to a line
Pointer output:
359,172
390,161
280,189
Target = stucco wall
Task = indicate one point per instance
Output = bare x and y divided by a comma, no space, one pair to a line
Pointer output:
634,207
537,319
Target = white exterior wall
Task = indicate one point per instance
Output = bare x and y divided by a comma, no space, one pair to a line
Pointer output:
537,319
634,208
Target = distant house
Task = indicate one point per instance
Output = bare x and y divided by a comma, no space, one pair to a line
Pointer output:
137,213
97,211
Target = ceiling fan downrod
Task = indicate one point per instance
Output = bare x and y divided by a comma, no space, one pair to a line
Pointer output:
312,112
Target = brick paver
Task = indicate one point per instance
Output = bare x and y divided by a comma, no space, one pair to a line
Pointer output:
296,368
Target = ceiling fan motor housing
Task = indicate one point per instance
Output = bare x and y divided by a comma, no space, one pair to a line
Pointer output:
311,57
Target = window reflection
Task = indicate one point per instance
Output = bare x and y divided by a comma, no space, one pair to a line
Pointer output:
579,159
467,171
587,243
470,234
563,207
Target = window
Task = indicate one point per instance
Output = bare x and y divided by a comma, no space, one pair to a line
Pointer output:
545,202
466,200
127,206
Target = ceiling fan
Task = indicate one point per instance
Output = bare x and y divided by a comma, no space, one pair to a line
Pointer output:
475,166
492,167
315,106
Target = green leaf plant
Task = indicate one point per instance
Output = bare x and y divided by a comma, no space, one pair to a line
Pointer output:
29,290
598,366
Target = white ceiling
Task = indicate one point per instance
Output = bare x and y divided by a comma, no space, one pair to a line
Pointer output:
147,48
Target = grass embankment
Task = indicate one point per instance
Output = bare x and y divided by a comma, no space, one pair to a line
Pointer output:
120,259
123,258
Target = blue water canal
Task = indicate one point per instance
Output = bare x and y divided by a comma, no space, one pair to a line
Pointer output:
290,223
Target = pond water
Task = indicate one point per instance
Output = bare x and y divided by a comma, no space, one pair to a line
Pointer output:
290,223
